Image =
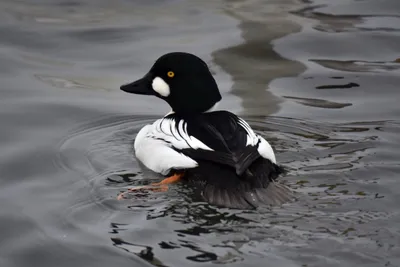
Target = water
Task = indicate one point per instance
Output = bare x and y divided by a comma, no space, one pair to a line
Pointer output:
318,78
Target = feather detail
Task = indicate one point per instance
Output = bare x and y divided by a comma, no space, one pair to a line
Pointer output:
252,138
176,142
157,154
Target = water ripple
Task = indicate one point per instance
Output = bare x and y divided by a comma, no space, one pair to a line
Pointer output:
323,161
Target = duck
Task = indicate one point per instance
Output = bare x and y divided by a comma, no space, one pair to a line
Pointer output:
214,151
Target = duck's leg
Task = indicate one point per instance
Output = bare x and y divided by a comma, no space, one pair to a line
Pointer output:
158,187
169,180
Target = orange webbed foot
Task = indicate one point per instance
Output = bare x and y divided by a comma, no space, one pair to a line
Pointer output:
156,187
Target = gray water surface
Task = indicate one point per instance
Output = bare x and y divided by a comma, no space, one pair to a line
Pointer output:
319,79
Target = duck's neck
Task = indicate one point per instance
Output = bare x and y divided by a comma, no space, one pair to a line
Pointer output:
213,108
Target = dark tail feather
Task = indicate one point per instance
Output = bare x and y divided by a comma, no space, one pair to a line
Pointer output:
221,186
224,197
274,195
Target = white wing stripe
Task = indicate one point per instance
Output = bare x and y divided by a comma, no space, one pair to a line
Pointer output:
252,138
180,128
175,134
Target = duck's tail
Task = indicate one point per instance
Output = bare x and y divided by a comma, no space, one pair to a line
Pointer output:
222,187
275,194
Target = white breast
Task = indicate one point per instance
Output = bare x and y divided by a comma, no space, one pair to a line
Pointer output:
154,146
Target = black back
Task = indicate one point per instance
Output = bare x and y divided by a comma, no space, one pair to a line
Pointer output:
221,132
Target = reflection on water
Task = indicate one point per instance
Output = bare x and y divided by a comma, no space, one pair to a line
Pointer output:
319,79
361,66
319,103
256,62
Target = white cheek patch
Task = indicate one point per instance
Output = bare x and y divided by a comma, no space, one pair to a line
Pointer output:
160,86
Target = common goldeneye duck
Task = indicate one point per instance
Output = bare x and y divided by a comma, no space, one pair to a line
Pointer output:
216,152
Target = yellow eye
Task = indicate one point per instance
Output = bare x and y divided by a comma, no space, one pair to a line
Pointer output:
171,74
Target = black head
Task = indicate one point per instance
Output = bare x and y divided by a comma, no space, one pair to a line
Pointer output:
181,79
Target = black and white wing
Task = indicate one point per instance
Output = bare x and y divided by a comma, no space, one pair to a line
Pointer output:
174,142
231,139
